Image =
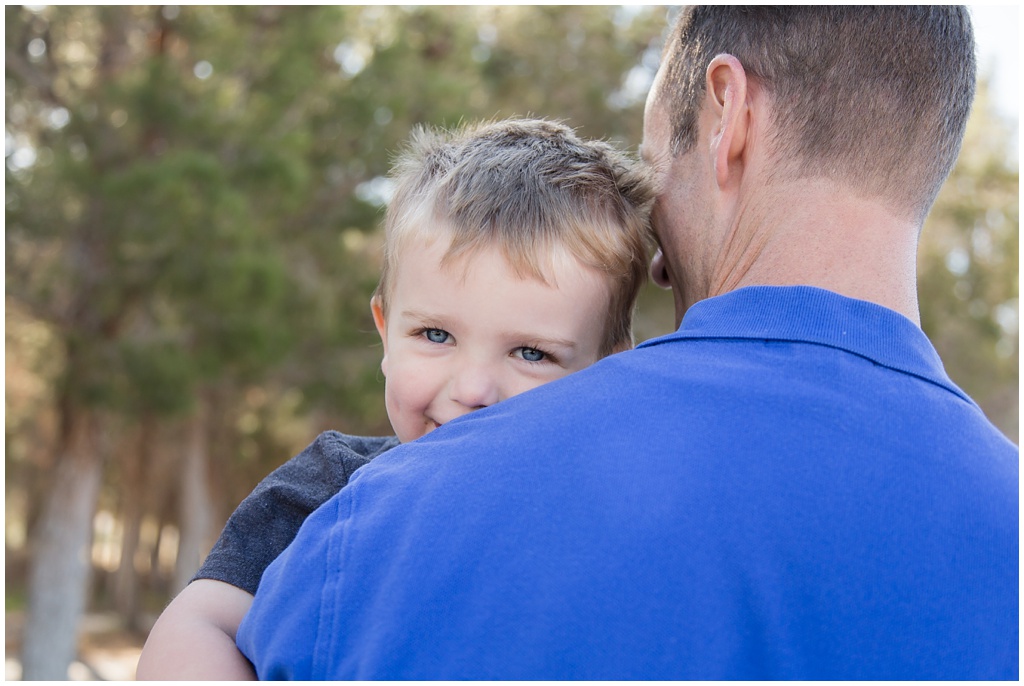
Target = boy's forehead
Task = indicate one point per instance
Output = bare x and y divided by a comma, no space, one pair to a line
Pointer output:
547,263
485,277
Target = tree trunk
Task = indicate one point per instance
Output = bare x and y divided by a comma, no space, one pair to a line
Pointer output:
196,514
162,486
59,572
133,489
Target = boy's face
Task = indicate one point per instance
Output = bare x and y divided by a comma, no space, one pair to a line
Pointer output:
472,333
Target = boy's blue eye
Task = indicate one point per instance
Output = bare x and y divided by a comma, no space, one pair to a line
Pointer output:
532,354
437,335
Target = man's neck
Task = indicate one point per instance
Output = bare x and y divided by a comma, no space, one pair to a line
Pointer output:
817,233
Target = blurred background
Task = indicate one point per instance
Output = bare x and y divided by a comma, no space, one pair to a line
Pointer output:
192,203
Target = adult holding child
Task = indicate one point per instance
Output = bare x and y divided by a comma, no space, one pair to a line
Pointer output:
514,252
789,486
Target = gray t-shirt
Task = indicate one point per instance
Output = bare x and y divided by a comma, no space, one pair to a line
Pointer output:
269,517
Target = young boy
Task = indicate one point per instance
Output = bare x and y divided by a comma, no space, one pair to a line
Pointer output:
514,253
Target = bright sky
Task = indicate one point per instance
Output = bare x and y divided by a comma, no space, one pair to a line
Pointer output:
997,32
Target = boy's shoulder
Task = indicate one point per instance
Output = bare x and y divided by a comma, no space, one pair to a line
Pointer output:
336,445
326,464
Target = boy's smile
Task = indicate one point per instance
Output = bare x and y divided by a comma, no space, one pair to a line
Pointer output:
471,333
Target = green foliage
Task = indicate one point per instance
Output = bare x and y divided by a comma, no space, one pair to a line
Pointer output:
968,263
158,377
203,201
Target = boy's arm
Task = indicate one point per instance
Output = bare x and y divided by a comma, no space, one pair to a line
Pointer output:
194,638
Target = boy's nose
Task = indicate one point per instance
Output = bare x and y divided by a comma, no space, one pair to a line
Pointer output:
474,387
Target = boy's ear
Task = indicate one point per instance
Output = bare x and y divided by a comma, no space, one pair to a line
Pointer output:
382,330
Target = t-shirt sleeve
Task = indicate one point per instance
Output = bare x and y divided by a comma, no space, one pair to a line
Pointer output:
280,634
269,517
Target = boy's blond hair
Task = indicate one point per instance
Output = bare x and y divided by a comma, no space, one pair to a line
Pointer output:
529,187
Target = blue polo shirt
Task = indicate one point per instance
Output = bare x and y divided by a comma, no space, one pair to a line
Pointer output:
788,487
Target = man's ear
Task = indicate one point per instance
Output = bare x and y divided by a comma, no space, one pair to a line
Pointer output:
727,94
382,329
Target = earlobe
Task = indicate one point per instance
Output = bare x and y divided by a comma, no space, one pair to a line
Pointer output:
727,91
382,329
659,270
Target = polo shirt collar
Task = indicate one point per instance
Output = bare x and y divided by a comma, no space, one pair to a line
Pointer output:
813,315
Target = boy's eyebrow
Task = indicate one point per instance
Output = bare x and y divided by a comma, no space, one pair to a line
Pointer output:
419,315
414,314
541,340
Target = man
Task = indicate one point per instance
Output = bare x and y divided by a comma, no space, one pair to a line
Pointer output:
788,487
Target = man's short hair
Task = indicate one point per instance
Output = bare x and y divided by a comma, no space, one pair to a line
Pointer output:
529,187
877,97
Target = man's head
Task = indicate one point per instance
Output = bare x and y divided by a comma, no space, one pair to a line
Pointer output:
514,252
530,188
874,98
